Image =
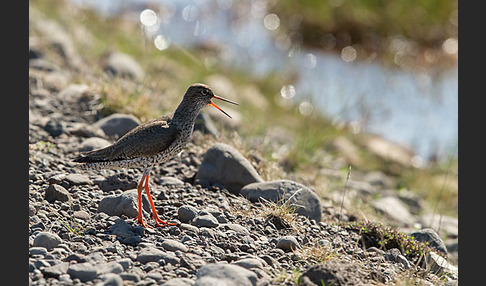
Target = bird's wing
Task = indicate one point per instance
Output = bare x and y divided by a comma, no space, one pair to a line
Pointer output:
144,140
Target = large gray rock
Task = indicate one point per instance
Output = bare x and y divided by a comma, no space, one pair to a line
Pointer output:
395,209
85,271
225,274
280,191
431,237
123,65
150,254
121,229
334,272
224,166
125,203
117,124
93,143
56,193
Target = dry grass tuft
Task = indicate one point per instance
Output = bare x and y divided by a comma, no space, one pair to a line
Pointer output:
281,214
316,253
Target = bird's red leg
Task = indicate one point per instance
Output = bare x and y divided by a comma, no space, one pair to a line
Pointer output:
139,218
158,221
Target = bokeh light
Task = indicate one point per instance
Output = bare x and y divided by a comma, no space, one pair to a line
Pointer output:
348,54
161,42
271,21
450,46
190,13
148,17
306,108
287,91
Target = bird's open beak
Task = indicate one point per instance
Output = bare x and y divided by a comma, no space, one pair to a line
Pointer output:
223,99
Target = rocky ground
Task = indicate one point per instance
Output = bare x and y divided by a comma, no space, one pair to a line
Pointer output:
234,228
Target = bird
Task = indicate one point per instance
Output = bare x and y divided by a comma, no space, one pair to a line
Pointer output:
153,142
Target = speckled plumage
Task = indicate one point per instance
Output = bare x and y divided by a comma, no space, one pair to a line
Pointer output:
144,146
153,142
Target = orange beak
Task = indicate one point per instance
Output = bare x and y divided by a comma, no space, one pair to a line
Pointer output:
223,99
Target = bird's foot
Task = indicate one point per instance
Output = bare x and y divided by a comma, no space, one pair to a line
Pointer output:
139,219
157,220
162,223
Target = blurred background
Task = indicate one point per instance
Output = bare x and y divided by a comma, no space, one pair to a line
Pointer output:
385,67
322,85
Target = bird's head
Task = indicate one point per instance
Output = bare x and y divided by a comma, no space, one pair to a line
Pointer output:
203,95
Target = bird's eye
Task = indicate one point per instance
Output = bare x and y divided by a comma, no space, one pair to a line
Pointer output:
204,92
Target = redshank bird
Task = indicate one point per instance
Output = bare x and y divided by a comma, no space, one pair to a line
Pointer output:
153,142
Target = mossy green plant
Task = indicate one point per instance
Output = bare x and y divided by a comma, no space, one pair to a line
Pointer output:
384,237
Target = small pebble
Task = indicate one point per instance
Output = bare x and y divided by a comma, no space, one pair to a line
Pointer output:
47,240
288,243
207,220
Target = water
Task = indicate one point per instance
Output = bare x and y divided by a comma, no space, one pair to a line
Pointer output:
418,110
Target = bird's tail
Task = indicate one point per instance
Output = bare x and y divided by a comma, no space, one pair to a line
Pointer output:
98,155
